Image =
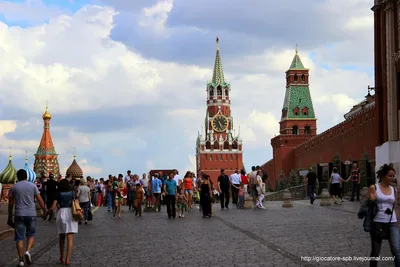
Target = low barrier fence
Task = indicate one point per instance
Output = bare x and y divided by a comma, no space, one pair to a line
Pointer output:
301,191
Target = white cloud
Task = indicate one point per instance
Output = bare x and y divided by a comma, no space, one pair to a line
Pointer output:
155,17
360,23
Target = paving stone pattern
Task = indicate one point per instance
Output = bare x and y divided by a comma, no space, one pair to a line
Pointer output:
273,237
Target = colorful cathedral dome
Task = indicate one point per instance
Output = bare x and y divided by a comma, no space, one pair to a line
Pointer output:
75,170
9,175
31,174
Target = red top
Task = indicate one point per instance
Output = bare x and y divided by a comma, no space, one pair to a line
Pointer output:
188,183
245,180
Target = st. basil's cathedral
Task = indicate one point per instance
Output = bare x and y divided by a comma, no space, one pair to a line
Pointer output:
46,162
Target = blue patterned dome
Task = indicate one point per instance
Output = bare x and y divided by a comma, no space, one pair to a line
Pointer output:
31,174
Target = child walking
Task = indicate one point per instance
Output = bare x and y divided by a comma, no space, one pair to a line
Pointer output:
241,197
182,203
138,198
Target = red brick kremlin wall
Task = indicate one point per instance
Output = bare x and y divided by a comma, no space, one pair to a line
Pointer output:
350,140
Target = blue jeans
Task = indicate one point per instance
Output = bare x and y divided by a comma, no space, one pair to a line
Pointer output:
85,206
394,243
130,199
110,200
24,225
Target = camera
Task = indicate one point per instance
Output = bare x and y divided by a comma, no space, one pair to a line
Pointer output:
388,211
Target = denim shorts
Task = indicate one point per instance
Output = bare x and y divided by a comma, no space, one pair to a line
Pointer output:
187,191
24,226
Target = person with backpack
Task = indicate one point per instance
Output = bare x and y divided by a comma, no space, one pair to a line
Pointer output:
382,215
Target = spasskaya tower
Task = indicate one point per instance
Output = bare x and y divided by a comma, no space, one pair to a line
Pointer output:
217,147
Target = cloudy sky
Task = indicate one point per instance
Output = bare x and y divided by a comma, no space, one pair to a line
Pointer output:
125,80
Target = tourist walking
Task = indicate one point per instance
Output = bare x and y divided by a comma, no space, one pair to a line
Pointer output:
118,186
131,186
170,190
205,196
240,204
138,199
101,193
188,188
156,188
84,195
223,189
244,179
67,226
311,179
22,195
234,179
335,180
356,179
51,193
182,203
253,182
384,226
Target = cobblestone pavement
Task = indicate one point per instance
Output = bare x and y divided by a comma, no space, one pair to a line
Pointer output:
273,237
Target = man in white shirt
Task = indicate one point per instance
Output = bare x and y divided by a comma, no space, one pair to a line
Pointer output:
128,176
177,178
235,180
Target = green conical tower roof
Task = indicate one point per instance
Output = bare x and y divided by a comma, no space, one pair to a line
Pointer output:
9,175
296,62
218,77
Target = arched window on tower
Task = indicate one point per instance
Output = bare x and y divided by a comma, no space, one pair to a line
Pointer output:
304,111
296,78
296,111
295,130
226,92
307,130
211,93
219,91
303,78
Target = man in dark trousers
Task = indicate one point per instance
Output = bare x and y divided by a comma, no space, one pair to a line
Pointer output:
51,193
223,189
311,179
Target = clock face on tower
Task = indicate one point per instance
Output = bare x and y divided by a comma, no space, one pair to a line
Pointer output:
219,123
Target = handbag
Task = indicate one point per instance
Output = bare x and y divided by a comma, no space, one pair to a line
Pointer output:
90,215
382,230
76,210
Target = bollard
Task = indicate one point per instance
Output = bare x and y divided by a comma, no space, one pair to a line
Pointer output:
325,198
287,199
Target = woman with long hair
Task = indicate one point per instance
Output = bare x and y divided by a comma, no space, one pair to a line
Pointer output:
386,218
66,224
84,196
205,196
188,188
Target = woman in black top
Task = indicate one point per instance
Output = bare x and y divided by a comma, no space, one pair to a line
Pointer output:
67,226
205,196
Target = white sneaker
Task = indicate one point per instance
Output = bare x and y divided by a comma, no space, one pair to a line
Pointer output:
21,263
262,207
28,258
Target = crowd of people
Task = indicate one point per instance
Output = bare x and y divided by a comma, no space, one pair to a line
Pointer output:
58,197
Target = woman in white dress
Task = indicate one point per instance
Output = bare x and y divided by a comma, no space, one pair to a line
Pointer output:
66,225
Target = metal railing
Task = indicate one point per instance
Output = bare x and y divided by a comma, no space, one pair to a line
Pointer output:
299,192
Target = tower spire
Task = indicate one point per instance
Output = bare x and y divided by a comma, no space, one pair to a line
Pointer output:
26,156
296,62
218,73
10,153
74,153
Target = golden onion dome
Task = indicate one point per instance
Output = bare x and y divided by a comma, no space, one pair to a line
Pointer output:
46,115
